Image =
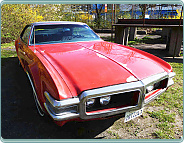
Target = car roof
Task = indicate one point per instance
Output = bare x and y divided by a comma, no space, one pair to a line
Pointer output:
57,22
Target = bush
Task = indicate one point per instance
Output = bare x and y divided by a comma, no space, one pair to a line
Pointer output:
14,17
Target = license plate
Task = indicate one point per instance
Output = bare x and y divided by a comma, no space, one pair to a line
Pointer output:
133,114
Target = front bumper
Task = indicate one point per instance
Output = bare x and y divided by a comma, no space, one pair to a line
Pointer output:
76,107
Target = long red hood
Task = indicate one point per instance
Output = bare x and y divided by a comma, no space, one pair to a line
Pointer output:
88,65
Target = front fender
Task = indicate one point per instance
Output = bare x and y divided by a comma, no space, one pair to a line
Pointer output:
46,78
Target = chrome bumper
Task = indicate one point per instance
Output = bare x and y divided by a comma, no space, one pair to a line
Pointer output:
76,107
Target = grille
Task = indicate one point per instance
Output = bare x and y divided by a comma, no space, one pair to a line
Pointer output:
117,101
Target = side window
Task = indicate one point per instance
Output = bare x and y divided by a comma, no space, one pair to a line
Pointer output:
25,34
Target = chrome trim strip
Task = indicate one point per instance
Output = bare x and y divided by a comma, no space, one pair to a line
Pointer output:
155,78
34,92
56,105
152,80
151,98
158,78
172,74
61,117
62,103
170,81
114,89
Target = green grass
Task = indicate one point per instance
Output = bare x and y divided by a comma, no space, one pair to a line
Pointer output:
172,101
181,54
138,41
166,128
6,45
173,97
162,116
113,135
161,134
8,53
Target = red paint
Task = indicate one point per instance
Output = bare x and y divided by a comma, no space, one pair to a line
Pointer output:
67,69
81,68
139,63
88,65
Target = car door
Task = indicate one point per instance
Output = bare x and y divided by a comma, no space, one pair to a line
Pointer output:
23,43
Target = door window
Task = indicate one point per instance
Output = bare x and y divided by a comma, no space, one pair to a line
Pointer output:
25,34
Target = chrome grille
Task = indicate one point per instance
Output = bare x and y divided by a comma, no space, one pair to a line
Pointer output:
117,101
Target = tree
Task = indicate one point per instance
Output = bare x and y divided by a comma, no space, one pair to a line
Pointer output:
14,17
98,14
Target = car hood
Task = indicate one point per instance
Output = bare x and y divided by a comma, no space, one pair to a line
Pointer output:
88,65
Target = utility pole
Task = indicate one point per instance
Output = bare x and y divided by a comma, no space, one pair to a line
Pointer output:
114,13
112,24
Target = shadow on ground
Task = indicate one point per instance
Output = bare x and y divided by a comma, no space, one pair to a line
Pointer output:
157,47
163,54
20,120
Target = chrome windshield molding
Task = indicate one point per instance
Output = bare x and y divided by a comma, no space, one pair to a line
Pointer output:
61,116
110,90
62,103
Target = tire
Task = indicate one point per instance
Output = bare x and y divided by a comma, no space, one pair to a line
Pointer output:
38,106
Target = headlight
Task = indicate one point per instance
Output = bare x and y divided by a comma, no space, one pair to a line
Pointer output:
105,100
149,88
90,102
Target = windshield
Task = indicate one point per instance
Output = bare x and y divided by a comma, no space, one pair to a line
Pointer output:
63,33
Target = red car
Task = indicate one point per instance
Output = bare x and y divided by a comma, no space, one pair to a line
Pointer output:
75,75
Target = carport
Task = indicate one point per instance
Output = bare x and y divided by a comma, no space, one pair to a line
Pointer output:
172,29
